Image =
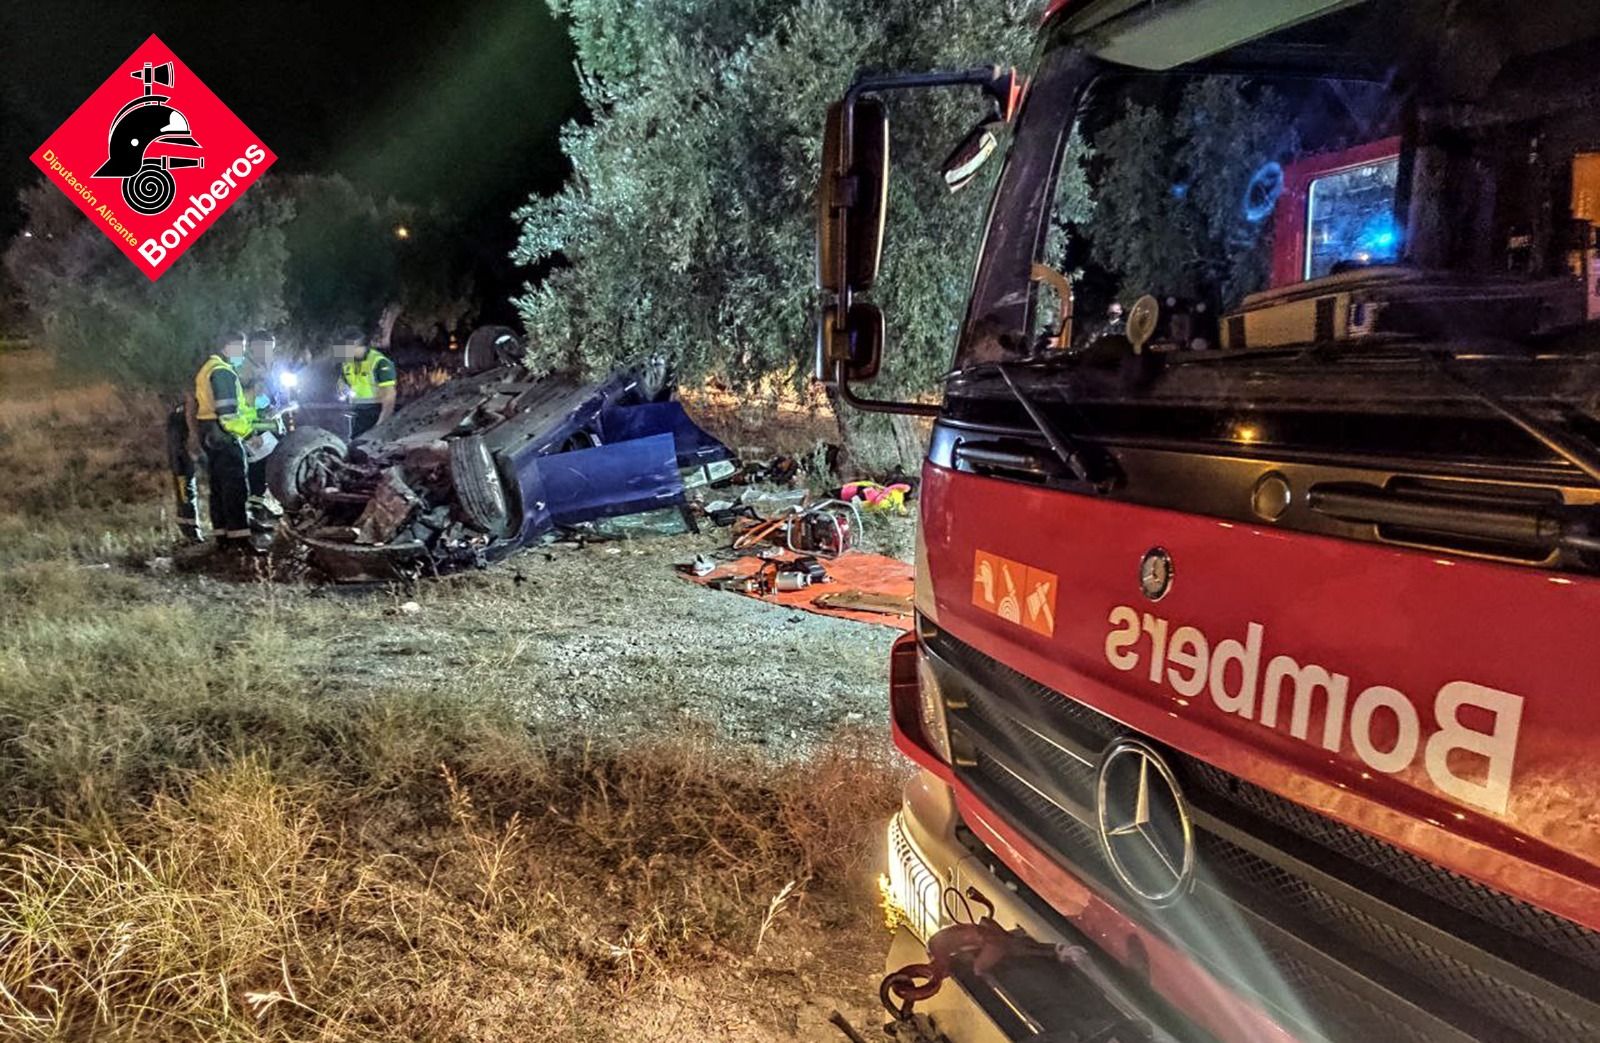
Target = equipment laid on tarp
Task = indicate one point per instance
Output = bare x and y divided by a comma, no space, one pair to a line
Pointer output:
868,588
827,528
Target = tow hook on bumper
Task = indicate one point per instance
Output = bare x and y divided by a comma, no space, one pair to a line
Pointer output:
978,942
1051,991
981,940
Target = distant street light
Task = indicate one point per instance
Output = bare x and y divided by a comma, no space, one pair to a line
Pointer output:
402,232
27,235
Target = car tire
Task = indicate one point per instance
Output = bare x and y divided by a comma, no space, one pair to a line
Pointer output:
479,492
490,347
287,470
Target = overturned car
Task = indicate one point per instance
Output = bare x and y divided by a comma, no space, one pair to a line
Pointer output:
487,463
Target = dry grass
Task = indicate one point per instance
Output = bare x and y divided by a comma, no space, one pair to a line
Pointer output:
207,836
238,905
83,466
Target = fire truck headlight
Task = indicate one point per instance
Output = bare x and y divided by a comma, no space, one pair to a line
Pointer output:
911,891
931,711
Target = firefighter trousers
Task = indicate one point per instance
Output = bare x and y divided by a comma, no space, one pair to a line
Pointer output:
229,475
185,482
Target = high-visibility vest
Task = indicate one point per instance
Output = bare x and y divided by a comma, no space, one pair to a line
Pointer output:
363,376
219,395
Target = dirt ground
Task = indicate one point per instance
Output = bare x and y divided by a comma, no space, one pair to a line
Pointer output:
606,636
146,676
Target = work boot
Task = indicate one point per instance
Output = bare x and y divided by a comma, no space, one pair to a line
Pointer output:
253,545
264,512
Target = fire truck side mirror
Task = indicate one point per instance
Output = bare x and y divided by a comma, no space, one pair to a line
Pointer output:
856,343
852,195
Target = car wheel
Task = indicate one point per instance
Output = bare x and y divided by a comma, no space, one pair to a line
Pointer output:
479,491
292,469
490,347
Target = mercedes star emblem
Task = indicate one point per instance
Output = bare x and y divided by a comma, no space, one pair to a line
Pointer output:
1145,829
1155,573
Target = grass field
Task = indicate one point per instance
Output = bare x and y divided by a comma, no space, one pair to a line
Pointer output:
560,800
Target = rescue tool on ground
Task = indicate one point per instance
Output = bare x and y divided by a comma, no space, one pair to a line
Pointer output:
1260,524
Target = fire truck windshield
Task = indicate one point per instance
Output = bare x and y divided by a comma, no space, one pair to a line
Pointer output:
1392,174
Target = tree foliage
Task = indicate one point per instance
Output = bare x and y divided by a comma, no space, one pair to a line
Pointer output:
347,263
104,316
687,226
1169,213
303,255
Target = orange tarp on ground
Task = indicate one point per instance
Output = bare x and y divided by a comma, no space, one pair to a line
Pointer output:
854,571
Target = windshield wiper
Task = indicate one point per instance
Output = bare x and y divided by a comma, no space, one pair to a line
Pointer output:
1066,450
1573,448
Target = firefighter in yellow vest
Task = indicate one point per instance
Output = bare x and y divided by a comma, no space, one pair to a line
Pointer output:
366,381
227,416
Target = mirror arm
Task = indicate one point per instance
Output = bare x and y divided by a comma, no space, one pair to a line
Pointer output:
992,78
841,381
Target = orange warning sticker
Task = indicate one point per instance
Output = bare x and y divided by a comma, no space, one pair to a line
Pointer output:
1039,601
985,581
1015,592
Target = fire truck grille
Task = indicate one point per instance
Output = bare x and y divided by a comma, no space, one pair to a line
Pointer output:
1337,933
1555,933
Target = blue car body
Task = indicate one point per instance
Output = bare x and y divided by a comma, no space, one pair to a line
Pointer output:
566,451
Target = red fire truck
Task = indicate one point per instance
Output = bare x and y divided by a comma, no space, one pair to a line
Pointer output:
1251,683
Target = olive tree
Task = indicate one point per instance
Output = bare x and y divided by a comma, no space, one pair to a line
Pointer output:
105,317
302,254
686,228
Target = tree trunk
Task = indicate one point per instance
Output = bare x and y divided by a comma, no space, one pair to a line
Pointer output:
911,435
875,444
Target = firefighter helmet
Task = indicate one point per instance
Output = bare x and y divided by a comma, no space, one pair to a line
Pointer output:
141,123
144,121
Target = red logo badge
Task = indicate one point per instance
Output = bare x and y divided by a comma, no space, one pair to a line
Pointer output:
153,158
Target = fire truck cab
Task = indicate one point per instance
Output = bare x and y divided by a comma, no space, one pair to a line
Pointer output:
1253,689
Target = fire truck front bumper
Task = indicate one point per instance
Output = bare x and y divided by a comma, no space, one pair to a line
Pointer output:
1027,997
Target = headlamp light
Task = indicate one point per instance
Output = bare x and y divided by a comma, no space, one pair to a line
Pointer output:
931,709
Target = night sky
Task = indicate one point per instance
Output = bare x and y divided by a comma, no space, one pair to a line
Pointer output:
456,104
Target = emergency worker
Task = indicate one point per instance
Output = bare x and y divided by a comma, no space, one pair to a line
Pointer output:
183,441
227,417
366,380
260,357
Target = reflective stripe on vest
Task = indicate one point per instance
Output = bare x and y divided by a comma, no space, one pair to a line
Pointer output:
360,376
237,414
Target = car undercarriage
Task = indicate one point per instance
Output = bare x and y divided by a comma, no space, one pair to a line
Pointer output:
485,464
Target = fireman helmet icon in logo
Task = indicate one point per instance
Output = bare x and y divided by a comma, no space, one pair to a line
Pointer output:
147,185
1145,830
